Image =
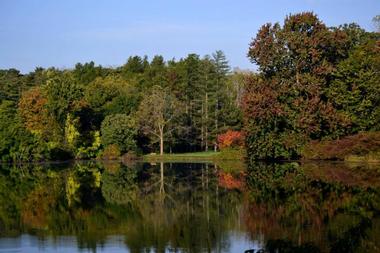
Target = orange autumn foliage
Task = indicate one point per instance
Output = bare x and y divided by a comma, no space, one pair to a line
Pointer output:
231,139
228,181
37,206
35,116
32,109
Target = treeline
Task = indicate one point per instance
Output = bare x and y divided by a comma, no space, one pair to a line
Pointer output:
314,83
92,111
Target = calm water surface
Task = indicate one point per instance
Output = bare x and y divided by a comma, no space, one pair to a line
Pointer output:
190,207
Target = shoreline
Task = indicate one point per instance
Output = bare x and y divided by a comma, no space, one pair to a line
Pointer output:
206,157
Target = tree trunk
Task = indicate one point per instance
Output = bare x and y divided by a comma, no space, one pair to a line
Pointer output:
161,140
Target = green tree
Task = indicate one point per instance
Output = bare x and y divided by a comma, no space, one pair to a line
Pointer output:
119,129
355,89
63,94
12,83
8,124
86,73
156,73
111,95
36,78
17,144
135,64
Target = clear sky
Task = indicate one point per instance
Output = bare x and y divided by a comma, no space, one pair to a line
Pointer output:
61,33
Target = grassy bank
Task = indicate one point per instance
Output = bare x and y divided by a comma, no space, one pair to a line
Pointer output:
195,156
209,156
227,160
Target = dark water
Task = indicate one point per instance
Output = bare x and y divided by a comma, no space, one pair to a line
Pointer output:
190,207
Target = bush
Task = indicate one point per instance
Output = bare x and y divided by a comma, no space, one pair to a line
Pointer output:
130,156
119,129
111,152
362,144
231,139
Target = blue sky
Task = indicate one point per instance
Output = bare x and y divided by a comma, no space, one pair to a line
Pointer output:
61,33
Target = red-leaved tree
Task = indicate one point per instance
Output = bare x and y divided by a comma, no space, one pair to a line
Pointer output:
231,139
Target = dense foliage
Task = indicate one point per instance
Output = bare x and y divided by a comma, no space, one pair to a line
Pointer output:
231,139
58,114
359,146
314,83
119,129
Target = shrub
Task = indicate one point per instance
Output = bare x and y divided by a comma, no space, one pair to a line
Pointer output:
231,139
119,129
130,156
91,151
111,152
361,144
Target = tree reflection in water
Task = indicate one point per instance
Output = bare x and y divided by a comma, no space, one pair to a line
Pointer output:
196,207
328,207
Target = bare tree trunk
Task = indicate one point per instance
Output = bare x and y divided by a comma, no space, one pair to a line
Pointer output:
161,140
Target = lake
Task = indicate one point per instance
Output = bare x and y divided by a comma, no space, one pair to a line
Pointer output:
190,207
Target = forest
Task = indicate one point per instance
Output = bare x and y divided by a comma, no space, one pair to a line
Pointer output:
314,85
92,111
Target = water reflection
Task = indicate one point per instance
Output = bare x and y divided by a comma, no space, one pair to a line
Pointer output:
315,207
192,207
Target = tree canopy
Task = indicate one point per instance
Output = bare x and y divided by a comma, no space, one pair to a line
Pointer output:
315,82
80,112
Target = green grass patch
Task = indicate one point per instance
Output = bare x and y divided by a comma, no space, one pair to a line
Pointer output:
209,156
197,156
